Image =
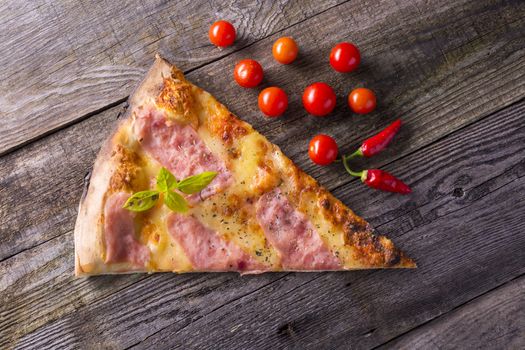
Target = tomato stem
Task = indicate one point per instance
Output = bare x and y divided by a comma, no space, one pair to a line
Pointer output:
347,167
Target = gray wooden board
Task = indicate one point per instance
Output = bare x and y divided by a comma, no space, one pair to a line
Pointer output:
61,60
444,66
503,307
53,308
48,174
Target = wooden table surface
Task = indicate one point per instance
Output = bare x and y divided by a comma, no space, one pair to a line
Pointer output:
454,71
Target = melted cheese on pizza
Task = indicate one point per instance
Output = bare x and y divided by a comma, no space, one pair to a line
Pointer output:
261,213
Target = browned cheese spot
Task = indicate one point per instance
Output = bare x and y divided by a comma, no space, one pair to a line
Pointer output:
227,127
177,97
128,167
374,250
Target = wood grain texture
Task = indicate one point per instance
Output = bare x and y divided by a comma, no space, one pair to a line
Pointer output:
443,66
447,235
41,184
63,60
503,308
420,48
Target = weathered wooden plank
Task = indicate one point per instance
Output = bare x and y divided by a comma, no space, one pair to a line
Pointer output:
445,233
37,286
473,156
41,184
493,321
415,49
63,60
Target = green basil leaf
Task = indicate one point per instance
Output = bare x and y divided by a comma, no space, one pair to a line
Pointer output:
141,201
175,202
165,180
196,183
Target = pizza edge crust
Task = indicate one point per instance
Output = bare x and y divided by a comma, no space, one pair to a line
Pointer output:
89,226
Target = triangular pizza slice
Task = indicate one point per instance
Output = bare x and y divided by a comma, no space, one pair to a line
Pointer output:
259,213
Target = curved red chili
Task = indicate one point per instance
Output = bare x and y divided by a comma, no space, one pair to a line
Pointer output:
384,181
376,178
378,142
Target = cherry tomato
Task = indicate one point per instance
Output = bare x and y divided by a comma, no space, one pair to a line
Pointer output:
285,50
248,73
345,57
362,100
222,33
322,149
273,101
319,99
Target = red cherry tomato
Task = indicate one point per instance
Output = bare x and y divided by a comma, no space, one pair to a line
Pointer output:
273,101
248,73
362,100
322,149
285,50
319,99
222,33
345,57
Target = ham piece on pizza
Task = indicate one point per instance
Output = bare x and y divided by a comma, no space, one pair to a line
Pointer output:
259,213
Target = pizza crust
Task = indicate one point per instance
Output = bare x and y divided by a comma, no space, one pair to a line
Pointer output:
89,227
89,245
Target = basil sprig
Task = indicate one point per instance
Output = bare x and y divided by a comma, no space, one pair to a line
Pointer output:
196,183
166,184
141,201
165,180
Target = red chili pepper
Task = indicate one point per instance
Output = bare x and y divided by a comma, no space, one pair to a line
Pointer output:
378,142
384,181
378,179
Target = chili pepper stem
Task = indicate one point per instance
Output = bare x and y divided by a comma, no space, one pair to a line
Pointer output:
364,175
358,153
347,167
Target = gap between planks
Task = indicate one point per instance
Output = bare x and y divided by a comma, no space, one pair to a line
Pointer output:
62,127
214,310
